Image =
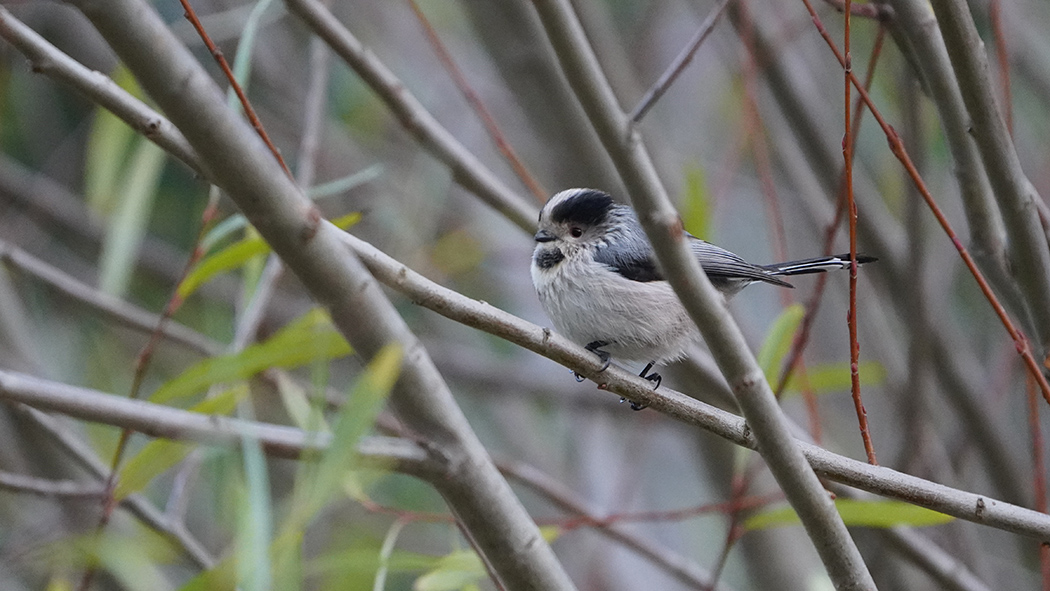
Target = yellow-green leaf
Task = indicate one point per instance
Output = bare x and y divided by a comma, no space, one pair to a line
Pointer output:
133,204
453,572
877,513
309,338
108,143
823,379
778,340
160,455
696,203
354,421
236,255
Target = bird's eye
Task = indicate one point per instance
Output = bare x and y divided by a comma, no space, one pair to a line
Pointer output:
576,231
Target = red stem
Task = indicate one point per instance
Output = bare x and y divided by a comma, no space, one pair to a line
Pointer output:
221,60
897,148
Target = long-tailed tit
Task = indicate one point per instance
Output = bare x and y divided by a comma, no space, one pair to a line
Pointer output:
596,276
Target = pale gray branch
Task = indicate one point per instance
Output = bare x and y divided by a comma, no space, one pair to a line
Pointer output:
477,494
50,61
1029,252
876,479
705,306
466,168
121,312
166,422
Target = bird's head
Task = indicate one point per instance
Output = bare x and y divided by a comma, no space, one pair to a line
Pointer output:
575,219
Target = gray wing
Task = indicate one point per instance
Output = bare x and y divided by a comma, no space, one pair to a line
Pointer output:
632,257
724,266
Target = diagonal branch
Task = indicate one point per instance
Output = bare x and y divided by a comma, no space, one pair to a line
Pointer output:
876,479
477,494
705,306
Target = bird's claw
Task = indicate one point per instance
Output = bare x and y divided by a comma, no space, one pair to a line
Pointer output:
595,347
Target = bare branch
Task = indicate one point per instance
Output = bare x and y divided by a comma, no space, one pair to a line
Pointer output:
50,61
466,168
876,479
478,495
705,306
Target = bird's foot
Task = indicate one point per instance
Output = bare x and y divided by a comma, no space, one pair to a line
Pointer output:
595,347
654,377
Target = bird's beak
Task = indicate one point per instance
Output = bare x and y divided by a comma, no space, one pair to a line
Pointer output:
544,236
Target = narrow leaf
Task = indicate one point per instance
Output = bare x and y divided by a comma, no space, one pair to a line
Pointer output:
236,255
696,203
824,379
160,455
858,513
130,219
778,340
308,338
107,149
453,571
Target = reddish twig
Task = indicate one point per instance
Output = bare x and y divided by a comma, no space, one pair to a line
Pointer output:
1038,474
731,506
898,150
479,107
995,10
851,318
876,11
221,60
142,361
813,304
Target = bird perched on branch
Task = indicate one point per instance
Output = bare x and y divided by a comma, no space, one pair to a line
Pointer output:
596,276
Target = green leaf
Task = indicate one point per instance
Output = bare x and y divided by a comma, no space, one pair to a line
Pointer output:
342,185
778,340
453,572
365,558
878,513
355,419
130,219
306,339
306,416
237,255
160,455
824,379
696,203
255,524
107,149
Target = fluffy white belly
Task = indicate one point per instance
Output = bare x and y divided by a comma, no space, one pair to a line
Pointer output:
639,321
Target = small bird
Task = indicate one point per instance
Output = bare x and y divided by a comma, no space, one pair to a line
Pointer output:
596,276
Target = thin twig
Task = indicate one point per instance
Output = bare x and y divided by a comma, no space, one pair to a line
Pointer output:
678,566
876,479
851,319
898,150
678,65
50,488
142,363
1038,475
220,59
502,144
466,168
995,12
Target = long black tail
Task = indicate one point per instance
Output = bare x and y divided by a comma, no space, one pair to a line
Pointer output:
817,265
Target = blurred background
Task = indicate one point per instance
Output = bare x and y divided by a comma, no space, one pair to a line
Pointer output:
750,170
